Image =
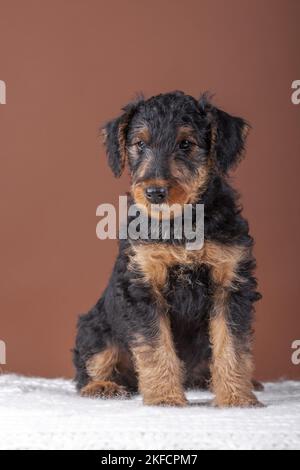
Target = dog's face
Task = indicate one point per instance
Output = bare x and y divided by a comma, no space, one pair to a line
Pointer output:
173,144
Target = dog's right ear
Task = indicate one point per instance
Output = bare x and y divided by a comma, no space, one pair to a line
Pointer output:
114,134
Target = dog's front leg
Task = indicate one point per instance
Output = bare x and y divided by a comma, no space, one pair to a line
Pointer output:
159,370
231,331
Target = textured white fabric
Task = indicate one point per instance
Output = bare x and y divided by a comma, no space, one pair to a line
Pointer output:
47,414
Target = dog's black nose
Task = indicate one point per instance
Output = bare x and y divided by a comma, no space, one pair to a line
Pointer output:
156,195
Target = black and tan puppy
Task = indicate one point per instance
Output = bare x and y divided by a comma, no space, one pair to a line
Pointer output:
173,318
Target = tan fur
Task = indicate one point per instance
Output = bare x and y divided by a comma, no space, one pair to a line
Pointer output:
124,365
232,364
102,389
142,134
224,261
231,370
186,132
177,194
101,365
154,261
183,192
140,174
100,368
159,370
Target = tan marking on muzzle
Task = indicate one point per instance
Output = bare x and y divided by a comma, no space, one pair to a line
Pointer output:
176,194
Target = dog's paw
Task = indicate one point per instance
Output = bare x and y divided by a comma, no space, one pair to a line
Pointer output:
103,390
178,401
249,401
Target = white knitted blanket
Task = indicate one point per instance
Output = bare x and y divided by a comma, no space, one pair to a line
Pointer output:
42,414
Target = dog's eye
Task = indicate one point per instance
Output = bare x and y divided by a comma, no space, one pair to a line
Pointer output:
185,144
141,145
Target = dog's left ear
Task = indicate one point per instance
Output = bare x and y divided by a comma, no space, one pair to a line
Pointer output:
229,135
114,134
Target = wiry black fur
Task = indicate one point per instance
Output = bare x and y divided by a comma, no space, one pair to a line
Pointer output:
127,307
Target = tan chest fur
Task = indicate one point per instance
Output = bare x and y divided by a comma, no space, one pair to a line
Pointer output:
154,261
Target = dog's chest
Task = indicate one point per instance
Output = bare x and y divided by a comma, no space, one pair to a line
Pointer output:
157,263
189,292
162,266
180,276
181,282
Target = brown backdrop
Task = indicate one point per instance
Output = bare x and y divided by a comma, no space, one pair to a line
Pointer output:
69,65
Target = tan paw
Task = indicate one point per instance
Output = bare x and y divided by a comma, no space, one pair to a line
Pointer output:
178,401
249,401
103,390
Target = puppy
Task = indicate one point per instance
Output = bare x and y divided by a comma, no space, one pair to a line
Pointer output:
173,318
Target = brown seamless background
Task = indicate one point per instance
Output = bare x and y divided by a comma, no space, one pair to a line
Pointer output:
69,65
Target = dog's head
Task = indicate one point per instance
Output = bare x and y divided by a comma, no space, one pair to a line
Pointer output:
173,144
